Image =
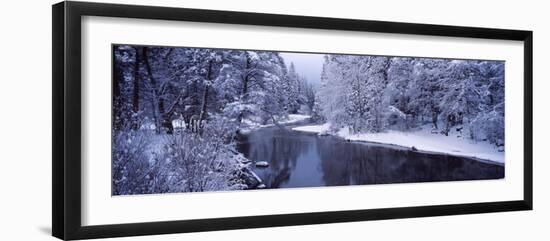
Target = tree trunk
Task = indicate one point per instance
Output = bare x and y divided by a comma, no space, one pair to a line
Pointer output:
118,123
434,119
245,88
154,91
203,112
135,96
166,124
166,114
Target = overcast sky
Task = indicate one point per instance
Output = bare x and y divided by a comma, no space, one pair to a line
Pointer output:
307,65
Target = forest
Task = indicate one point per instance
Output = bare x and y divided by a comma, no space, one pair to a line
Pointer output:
377,93
177,111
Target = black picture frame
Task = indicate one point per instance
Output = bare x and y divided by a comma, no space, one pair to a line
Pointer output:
67,136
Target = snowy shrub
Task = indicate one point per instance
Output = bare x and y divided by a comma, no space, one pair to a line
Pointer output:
489,126
200,162
131,168
145,162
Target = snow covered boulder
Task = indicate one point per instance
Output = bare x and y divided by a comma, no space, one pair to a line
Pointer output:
262,164
240,158
261,186
244,160
244,131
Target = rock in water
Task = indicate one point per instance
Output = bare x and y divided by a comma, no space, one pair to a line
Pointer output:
323,133
262,164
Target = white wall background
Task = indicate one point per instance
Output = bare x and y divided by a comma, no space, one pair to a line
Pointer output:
25,120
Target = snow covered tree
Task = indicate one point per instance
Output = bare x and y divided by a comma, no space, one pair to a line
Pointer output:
398,94
488,122
333,91
291,90
426,89
252,85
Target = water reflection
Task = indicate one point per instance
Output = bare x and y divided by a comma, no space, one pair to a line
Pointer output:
299,159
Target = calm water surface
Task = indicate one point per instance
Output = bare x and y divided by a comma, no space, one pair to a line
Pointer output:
299,159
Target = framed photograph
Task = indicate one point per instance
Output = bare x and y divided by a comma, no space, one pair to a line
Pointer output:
169,120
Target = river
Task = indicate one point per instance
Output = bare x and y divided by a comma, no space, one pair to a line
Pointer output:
299,159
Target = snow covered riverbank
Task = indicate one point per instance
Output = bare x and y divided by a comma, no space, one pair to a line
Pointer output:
422,140
292,119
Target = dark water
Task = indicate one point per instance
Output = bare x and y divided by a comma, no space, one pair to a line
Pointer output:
298,159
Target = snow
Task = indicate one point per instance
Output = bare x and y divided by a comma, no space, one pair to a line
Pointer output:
245,131
294,118
313,128
249,122
395,110
423,140
178,123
